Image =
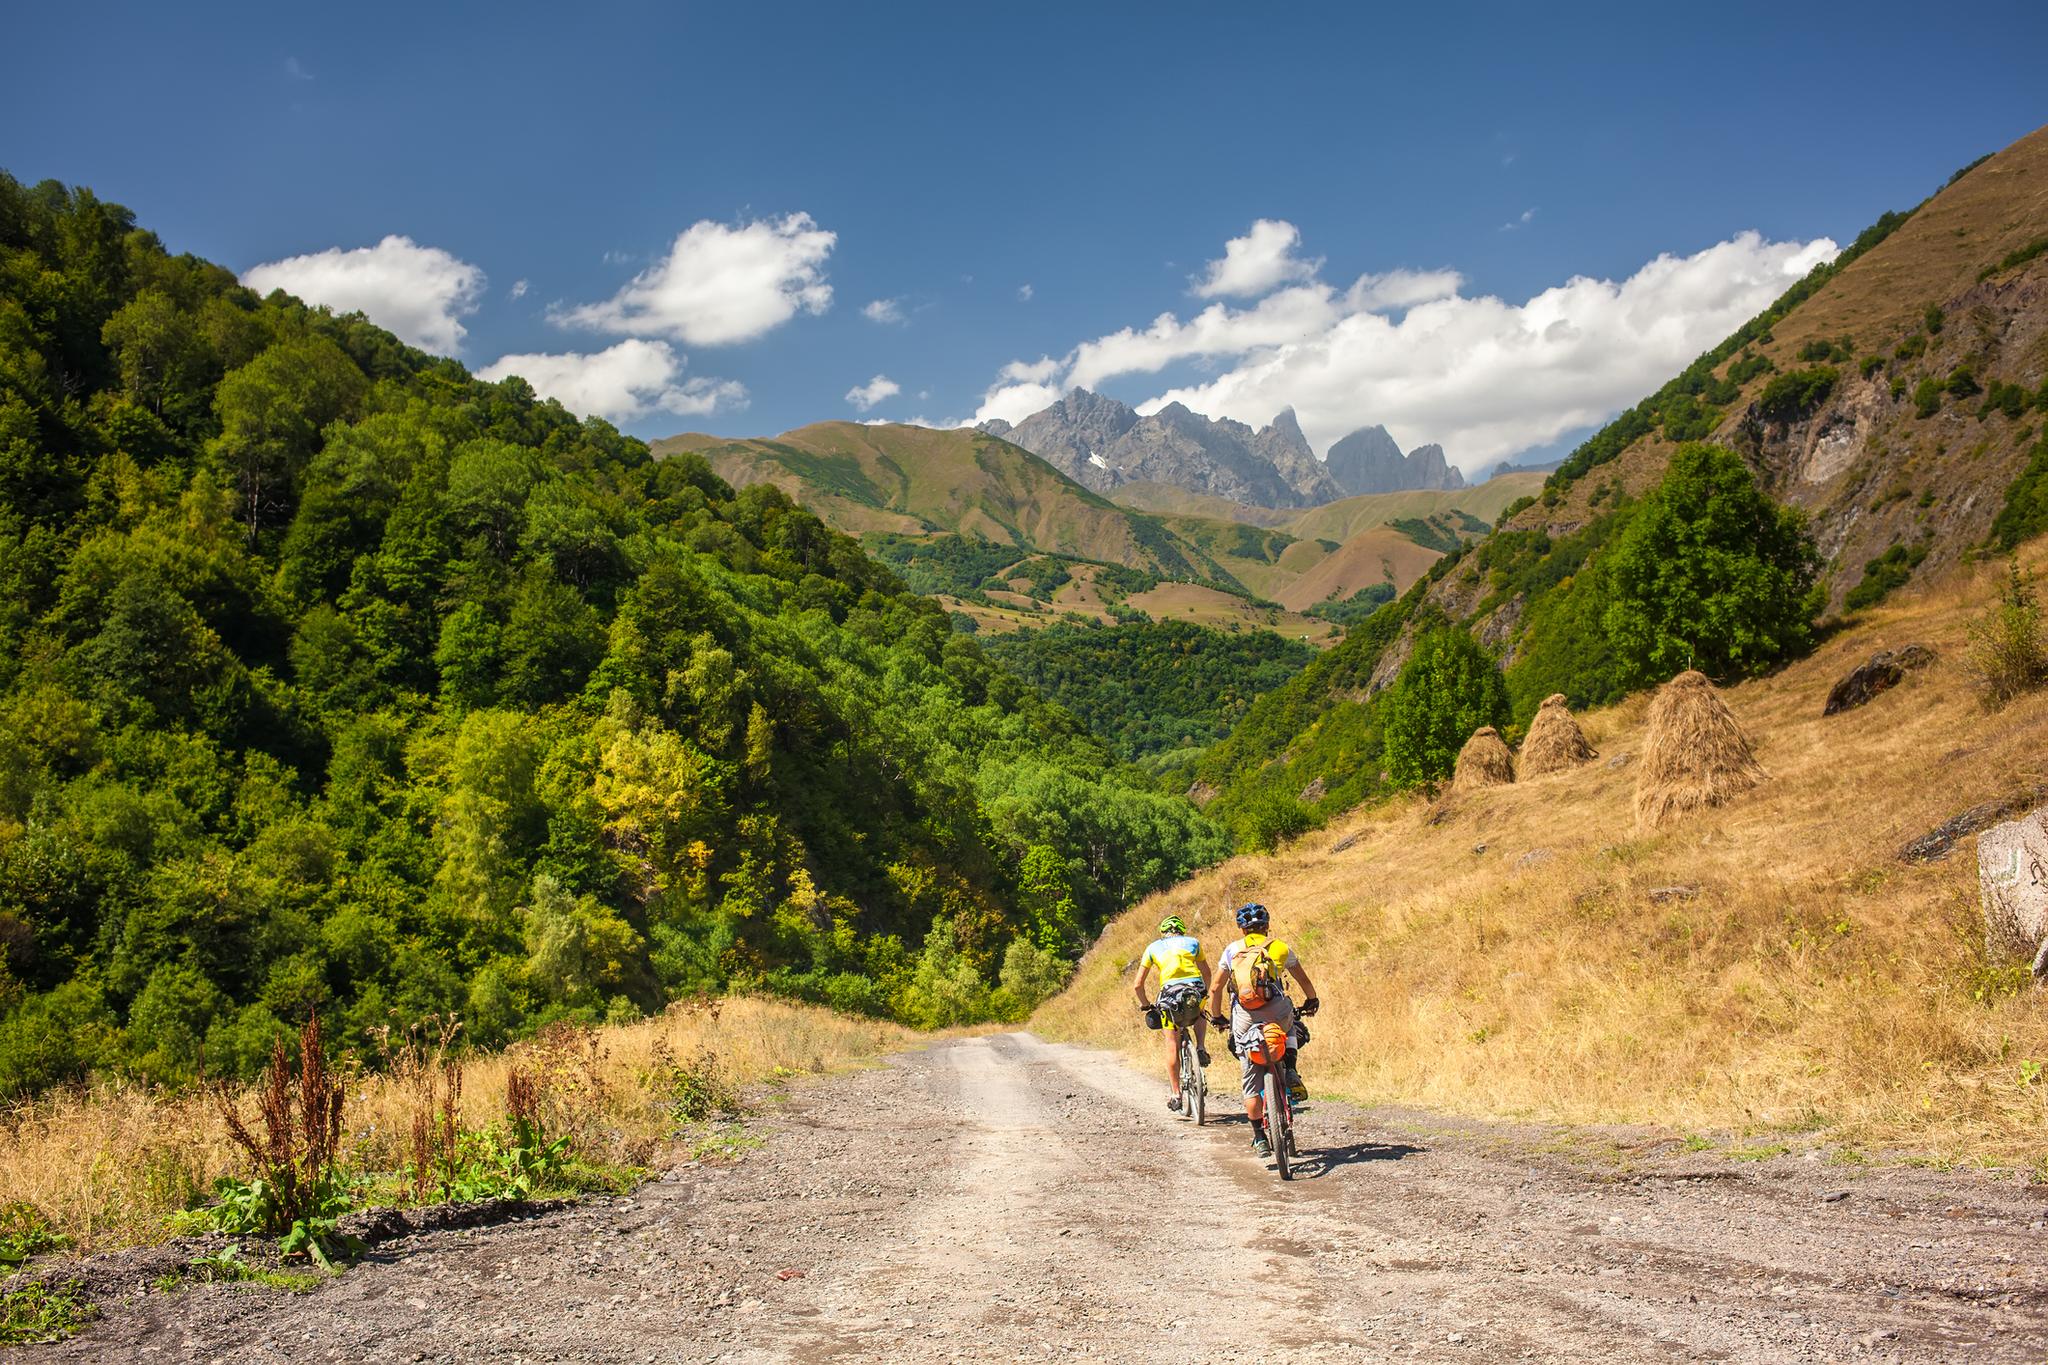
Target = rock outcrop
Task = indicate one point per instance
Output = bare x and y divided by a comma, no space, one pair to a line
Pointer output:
2012,878
1881,671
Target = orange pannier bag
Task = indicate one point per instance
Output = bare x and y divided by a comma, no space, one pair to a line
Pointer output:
1270,1046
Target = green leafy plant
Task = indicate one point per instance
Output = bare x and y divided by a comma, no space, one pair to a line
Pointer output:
224,1266
2007,651
691,1089
25,1232
298,1193
39,1313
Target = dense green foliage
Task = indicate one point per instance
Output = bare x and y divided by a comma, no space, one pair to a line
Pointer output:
1355,608
1448,688
1317,727
1146,688
1884,574
1709,574
2025,513
334,679
955,565
1442,532
1793,395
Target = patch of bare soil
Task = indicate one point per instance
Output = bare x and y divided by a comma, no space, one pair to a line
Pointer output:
1007,1199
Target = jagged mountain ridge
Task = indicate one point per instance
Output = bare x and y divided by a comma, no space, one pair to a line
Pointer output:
1104,444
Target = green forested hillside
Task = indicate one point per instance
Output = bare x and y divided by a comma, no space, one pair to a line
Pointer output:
1149,688
332,678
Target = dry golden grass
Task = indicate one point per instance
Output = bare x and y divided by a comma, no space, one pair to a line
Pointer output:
1765,965
107,1165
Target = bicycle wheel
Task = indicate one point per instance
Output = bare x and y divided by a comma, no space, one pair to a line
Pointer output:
1195,1096
1276,1121
1181,1067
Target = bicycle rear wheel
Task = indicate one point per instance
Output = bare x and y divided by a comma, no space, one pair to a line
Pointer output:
1277,1126
1183,1066
1196,1096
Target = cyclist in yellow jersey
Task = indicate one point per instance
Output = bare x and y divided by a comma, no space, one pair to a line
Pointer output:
1183,980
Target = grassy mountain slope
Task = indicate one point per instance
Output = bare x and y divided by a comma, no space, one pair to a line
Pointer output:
1873,464
909,479
1769,974
1864,396
1342,520
1379,554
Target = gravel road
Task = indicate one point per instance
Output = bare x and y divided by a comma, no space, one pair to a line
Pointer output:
1003,1198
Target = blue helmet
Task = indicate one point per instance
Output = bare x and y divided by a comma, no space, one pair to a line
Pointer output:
1251,918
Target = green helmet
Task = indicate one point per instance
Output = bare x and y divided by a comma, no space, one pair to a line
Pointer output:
1172,924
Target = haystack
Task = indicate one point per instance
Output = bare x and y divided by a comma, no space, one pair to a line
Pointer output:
1694,753
1555,741
1483,762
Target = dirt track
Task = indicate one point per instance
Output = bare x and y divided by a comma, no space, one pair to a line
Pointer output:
1006,1199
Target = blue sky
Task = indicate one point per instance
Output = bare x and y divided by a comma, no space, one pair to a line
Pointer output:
941,158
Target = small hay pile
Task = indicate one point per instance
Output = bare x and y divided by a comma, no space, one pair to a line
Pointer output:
1483,762
1694,753
1555,741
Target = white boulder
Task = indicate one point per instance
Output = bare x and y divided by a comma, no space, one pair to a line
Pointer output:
2012,876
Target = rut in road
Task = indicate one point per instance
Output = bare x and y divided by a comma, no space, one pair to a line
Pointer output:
1003,1198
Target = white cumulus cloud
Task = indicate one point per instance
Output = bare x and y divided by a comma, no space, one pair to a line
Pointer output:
1484,376
883,310
865,396
1261,260
719,285
621,383
519,289
422,293
1024,293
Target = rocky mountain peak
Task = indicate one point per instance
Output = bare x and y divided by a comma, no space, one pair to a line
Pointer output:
1102,443
1369,460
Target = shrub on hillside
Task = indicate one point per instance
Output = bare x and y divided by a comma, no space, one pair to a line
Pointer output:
1449,688
1709,574
2025,513
1749,366
2010,399
1884,574
1927,396
2007,652
1794,395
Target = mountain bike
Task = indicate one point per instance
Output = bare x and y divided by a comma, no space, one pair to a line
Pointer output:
1194,1078
1279,1120
1279,1117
